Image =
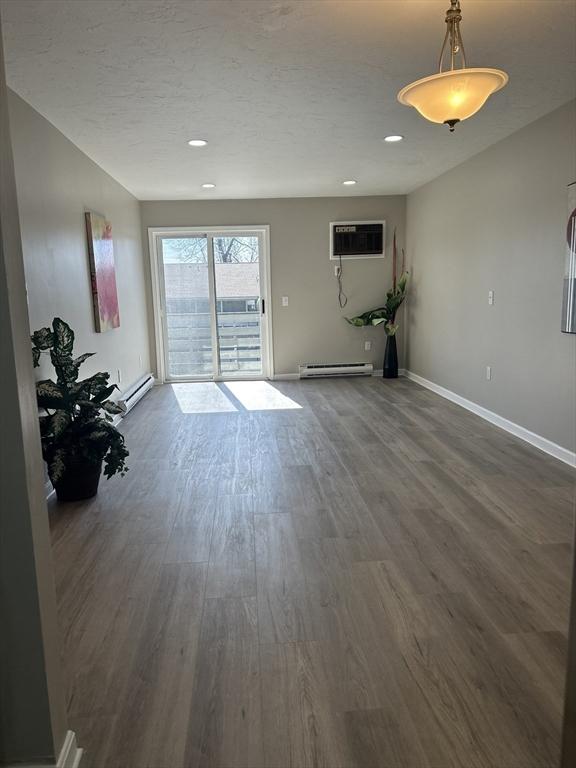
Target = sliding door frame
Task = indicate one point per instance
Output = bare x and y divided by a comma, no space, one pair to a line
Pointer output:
155,234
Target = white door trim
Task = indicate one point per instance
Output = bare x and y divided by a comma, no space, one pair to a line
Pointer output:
212,302
263,231
157,308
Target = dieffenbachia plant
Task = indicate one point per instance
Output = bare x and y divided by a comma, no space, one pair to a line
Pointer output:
76,426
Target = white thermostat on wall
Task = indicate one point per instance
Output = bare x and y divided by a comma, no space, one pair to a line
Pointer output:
357,240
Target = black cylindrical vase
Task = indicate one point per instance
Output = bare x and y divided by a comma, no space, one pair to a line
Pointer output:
390,367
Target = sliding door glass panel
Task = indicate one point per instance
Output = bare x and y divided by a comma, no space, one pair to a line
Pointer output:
187,315
237,295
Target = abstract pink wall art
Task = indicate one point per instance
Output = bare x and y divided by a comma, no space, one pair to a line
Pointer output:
102,271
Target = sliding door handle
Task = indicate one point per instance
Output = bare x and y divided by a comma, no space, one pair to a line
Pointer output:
263,305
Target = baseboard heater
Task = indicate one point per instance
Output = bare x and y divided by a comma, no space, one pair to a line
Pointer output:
136,392
322,370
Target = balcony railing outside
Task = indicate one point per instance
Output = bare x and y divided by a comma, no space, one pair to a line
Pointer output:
190,343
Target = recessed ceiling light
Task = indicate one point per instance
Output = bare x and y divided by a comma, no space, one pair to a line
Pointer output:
197,142
349,183
393,139
208,186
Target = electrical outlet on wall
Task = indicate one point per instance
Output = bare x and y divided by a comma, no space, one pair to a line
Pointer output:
488,373
367,346
491,298
337,270
284,301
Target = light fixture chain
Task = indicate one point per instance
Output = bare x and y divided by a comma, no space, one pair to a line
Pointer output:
453,36
461,45
444,44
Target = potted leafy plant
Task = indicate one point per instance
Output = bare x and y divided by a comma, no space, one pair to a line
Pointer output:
76,430
387,314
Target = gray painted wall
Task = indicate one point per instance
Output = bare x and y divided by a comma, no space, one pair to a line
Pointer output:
56,183
312,327
498,222
32,703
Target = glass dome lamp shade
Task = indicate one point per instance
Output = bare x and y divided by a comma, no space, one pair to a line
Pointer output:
450,97
457,94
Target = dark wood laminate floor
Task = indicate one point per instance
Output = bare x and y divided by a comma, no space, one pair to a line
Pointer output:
363,575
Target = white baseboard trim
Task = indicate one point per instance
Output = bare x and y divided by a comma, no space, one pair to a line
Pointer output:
379,372
553,449
70,756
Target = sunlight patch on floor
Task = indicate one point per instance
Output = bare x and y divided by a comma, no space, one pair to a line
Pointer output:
260,396
202,397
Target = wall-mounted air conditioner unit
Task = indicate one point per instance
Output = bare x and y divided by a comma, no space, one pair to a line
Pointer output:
322,370
357,240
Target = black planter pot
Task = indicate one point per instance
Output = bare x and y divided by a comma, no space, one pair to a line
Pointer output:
390,367
80,481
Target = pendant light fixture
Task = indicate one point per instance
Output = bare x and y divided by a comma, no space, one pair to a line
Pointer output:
457,94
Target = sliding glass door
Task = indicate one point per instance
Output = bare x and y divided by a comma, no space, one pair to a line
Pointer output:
188,347
238,304
210,298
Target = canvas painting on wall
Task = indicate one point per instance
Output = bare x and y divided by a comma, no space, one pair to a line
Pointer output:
103,272
569,293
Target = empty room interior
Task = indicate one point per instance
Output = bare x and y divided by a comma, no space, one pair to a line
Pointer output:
288,378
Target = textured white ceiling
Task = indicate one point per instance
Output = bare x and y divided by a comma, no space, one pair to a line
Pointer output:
294,96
